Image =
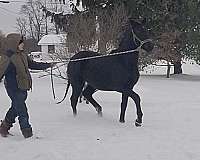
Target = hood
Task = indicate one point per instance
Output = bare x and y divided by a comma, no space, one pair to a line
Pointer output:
12,41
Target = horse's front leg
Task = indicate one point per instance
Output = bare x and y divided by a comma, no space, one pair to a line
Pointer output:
123,107
136,98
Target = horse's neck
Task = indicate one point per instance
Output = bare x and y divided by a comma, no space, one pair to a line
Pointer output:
126,42
130,61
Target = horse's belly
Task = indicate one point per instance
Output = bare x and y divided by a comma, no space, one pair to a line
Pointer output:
108,75
105,80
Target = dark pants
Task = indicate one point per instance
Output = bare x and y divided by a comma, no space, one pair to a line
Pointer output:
18,107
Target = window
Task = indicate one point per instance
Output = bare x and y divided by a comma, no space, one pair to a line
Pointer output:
51,49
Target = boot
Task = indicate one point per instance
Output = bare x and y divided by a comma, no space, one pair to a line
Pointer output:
27,132
4,128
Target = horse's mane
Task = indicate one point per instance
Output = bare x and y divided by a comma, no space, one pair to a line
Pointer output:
123,41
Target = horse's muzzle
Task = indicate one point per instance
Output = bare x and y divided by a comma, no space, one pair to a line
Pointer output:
148,46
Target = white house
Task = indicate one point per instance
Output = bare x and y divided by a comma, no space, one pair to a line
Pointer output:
51,44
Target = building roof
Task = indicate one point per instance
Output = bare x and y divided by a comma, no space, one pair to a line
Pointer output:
52,39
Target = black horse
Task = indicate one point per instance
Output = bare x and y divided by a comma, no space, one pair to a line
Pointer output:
116,72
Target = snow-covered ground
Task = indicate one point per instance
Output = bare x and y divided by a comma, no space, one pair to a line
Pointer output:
170,130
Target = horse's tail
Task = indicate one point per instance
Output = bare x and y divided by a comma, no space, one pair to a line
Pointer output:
68,84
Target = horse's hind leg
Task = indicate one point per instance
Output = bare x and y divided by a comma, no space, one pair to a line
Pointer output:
76,91
123,107
87,93
80,98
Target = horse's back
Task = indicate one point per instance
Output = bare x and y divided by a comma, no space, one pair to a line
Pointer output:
75,68
84,54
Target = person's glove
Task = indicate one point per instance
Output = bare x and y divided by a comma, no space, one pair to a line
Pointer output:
53,64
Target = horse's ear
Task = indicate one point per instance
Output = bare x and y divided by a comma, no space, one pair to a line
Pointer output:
139,21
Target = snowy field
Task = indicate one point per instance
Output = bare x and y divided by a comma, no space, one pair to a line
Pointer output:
170,131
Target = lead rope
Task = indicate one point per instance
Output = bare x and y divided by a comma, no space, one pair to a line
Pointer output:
52,84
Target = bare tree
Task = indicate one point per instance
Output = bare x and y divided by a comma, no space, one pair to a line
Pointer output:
22,25
111,24
55,7
97,31
33,23
81,32
168,48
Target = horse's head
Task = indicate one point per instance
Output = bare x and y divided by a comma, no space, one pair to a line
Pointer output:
141,36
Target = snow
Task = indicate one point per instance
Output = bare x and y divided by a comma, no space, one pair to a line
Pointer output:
170,130
52,39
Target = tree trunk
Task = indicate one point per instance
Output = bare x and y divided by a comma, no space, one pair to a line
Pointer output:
168,69
102,46
57,29
178,68
101,42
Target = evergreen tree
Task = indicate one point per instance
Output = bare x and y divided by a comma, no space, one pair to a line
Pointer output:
169,17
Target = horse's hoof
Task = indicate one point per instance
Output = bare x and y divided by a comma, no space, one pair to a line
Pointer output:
138,124
74,114
100,114
122,121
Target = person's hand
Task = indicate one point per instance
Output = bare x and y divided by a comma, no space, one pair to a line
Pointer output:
53,64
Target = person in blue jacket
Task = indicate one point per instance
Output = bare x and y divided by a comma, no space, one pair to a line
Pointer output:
17,82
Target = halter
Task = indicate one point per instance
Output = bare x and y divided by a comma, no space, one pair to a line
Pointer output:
142,42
